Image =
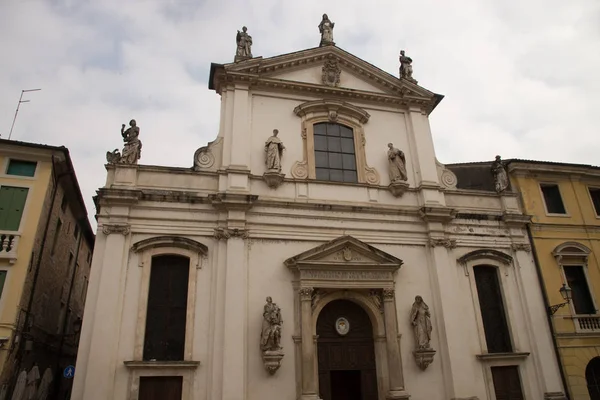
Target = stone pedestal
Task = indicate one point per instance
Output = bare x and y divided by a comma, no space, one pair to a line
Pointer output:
398,188
272,360
273,178
424,357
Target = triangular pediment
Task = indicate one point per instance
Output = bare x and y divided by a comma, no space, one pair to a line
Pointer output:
345,250
304,71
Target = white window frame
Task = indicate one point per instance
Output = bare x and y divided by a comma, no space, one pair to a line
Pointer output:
7,160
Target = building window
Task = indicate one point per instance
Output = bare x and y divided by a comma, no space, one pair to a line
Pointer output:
21,168
595,195
2,280
582,300
553,200
507,383
12,203
492,309
160,387
63,203
592,377
164,338
335,158
56,236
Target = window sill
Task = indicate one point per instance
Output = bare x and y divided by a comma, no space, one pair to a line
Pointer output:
552,215
502,356
162,364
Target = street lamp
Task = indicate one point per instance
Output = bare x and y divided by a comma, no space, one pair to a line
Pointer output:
567,294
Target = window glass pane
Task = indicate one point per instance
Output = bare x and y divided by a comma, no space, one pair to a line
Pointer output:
322,174
333,144
348,161
21,168
333,130
321,143
12,202
595,194
554,203
320,129
582,301
336,175
348,146
350,176
346,132
335,160
321,160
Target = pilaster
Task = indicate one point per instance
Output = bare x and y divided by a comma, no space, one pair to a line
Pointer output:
309,384
396,375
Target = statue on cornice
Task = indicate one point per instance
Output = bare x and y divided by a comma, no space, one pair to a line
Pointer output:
397,164
132,148
244,44
406,69
500,175
420,318
274,151
326,29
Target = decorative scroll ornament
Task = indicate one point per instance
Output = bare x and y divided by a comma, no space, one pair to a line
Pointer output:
331,72
521,247
270,337
227,233
447,243
300,170
123,229
203,158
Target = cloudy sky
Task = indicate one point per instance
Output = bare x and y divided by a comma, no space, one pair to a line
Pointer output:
520,76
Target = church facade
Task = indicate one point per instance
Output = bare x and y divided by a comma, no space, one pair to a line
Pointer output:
316,250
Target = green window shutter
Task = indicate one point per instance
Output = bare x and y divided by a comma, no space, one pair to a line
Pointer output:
12,202
21,168
2,279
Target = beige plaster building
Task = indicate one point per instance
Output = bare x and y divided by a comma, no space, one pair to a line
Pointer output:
340,230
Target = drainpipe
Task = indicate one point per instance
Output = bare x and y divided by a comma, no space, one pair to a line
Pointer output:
548,316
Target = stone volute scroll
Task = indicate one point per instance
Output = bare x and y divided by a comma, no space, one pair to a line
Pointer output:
273,153
500,176
132,148
397,170
326,30
244,45
270,336
420,319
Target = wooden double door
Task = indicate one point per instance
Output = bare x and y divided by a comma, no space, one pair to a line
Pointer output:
346,354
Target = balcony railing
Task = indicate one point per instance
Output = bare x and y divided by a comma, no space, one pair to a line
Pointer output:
587,324
9,243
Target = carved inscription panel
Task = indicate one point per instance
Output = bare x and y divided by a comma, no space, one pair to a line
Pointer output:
346,275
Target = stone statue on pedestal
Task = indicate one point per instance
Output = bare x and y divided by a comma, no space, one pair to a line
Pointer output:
326,29
270,336
244,45
406,69
420,319
132,148
500,175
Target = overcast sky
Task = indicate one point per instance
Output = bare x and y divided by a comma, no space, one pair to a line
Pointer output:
520,76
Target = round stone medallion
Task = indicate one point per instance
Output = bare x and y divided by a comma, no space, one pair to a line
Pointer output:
342,326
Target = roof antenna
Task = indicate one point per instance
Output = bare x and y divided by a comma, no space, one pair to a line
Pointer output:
18,105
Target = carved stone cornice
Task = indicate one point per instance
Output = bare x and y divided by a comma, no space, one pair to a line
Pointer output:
232,201
437,214
227,233
123,229
329,105
306,294
521,247
108,196
515,219
447,243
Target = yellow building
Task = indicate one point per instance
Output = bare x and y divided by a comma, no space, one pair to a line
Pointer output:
564,202
45,251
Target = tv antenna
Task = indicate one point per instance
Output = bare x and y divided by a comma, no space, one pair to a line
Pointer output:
18,105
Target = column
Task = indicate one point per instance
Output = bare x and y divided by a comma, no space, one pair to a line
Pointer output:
393,349
309,384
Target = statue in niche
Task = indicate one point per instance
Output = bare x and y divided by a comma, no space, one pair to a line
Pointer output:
500,175
244,44
406,69
397,164
132,148
420,318
274,151
270,337
326,29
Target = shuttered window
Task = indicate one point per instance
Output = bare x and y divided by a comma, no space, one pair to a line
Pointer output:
12,203
167,307
21,168
492,309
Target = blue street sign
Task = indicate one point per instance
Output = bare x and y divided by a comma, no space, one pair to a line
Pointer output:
69,372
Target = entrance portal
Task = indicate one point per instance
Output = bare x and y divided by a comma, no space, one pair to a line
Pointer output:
346,353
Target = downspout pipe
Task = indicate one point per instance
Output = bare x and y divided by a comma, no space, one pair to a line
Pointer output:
546,308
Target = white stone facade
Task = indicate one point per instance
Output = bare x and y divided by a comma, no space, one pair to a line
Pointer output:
308,242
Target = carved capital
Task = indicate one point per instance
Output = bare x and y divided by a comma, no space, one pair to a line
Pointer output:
227,233
376,298
387,294
306,294
123,229
447,243
521,247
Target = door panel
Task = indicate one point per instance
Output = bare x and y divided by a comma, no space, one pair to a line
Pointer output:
160,387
